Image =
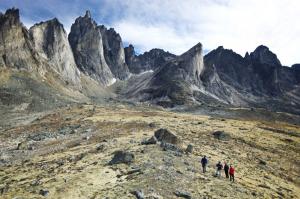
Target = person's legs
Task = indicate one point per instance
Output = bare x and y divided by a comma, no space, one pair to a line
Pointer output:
231,177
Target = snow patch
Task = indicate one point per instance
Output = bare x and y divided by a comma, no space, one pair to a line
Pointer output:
112,82
147,71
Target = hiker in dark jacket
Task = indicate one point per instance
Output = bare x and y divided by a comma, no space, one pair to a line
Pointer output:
219,169
204,162
226,169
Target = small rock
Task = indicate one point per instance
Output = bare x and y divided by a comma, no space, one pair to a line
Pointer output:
183,194
122,157
134,170
35,183
138,194
100,147
3,189
164,135
170,147
262,162
152,140
189,148
221,135
25,146
152,125
44,192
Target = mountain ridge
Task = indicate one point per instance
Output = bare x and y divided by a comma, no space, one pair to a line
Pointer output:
92,51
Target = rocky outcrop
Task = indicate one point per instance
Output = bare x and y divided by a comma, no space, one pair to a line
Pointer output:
164,135
258,79
147,61
16,49
51,42
296,70
263,55
86,42
122,157
114,52
170,84
192,62
256,73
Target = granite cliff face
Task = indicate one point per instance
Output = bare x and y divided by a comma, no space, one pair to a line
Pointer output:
51,42
86,41
16,48
148,61
114,52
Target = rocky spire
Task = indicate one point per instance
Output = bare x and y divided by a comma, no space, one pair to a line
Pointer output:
87,14
16,50
129,54
11,17
86,42
51,42
114,52
193,61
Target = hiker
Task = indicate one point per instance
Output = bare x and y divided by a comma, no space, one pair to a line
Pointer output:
204,162
219,169
231,173
226,169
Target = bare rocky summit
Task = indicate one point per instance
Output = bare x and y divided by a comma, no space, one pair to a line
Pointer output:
114,52
86,41
51,42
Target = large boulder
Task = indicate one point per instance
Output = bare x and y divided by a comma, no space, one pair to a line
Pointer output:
221,135
164,135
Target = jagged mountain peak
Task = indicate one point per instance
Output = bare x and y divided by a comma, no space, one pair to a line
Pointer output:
263,55
87,14
52,23
194,50
51,42
11,17
87,43
114,52
85,21
192,61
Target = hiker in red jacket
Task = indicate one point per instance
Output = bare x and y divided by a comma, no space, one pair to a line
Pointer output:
231,173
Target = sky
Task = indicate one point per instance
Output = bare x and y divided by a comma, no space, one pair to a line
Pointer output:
178,25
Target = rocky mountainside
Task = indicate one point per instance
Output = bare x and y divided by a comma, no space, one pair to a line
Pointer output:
114,52
222,77
87,45
148,61
51,42
16,49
